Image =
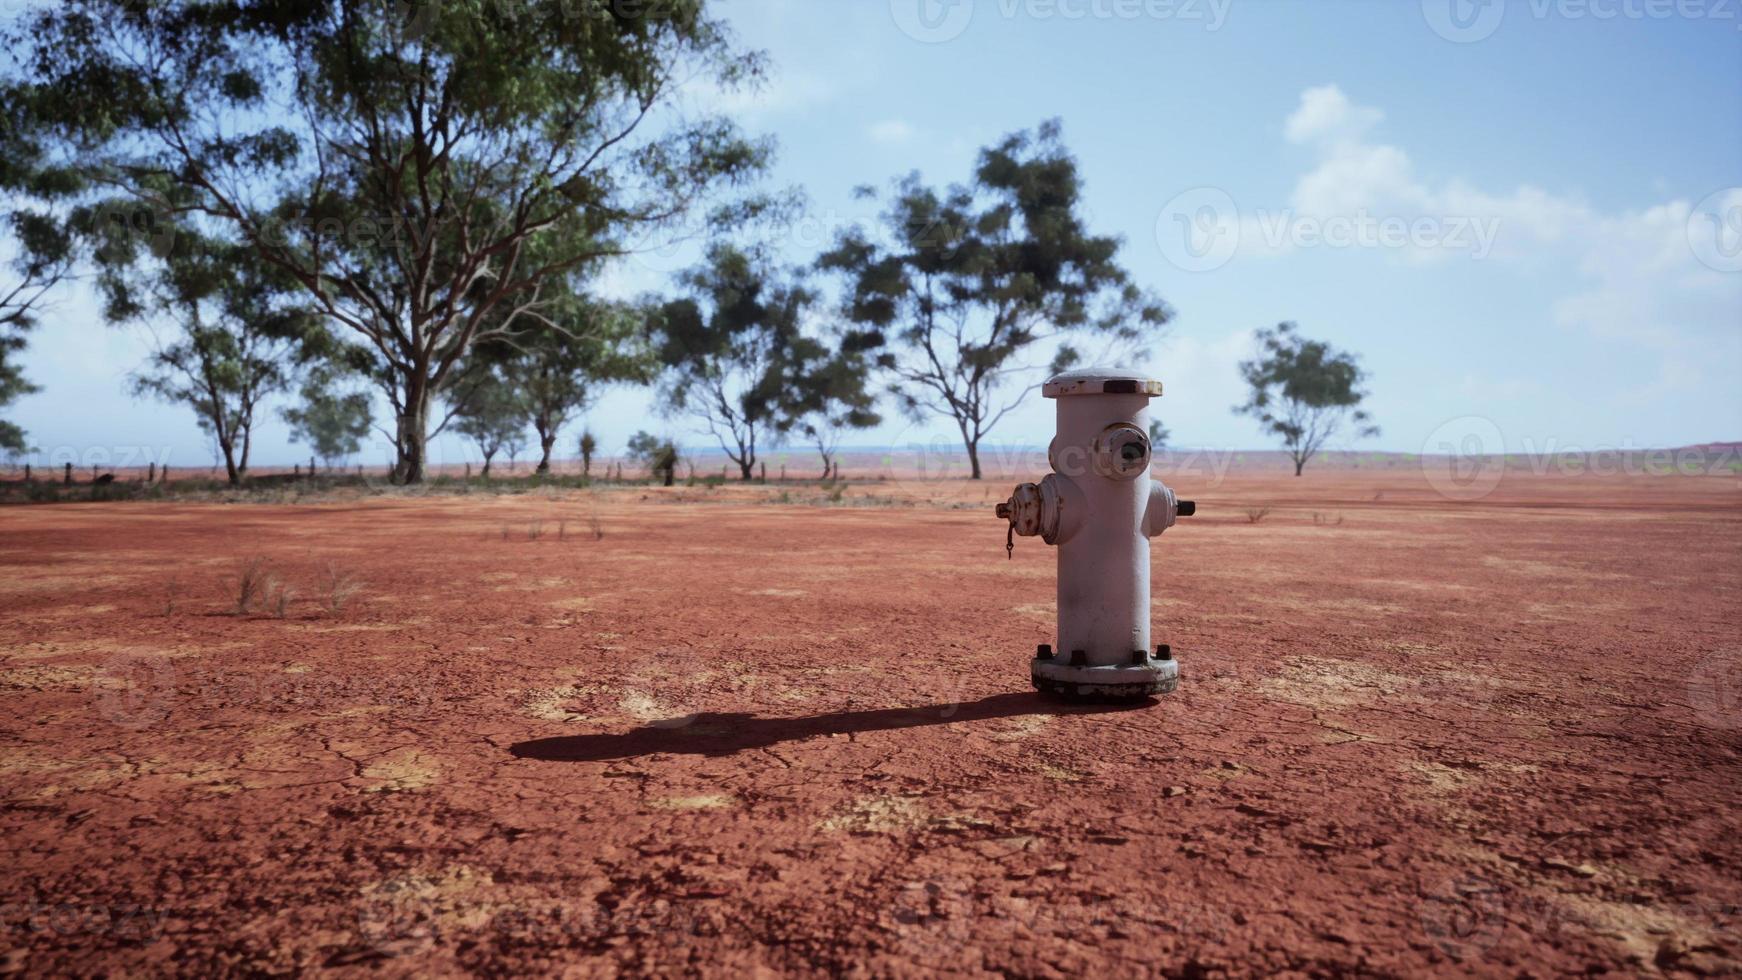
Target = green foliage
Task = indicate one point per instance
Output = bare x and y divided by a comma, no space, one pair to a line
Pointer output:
422,170
239,333
589,446
492,416
729,347
659,455
332,423
1303,391
559,366
40,243
13,385
982,273
1158,435
827,391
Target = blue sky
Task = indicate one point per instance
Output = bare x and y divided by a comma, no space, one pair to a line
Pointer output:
1504,209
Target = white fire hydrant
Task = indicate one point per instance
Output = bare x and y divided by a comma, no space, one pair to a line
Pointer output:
1100,508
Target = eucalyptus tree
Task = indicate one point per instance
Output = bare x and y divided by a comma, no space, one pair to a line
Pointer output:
330,420
237,333
829,392
963,283
424,171
1303,391
492,417
33,221
727,350
576,350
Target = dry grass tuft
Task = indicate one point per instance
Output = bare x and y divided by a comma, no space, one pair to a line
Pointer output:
253,580
338,588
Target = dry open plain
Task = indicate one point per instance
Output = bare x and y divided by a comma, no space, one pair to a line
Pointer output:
737,734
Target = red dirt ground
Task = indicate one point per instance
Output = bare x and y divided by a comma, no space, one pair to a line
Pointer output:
735,736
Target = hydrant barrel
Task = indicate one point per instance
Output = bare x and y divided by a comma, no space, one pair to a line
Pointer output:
1100,508
1103,568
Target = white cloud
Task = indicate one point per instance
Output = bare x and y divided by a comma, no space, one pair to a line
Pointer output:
1325,114
890,131
1635,277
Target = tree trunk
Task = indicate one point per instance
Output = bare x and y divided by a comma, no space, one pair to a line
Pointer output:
413,430
586,465
247,450
546,439
486,473
230,462
747,470
973,459
1299,464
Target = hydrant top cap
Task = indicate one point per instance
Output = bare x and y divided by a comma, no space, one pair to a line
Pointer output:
1101,381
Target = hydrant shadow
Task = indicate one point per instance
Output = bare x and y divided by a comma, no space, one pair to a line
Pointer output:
719,734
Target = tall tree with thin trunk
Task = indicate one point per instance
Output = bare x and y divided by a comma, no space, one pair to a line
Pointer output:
493,417
828,392
727,347
236,335
422,170
559,369
1304,392
331,421
980,275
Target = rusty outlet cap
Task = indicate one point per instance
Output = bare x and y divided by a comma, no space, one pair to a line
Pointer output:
1101,381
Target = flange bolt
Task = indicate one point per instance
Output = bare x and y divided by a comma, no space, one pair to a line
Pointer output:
1164,652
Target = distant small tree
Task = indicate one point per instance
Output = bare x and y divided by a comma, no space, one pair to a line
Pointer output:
660,456
492,417
1303,391
827,393
980,276
725,349
332,423
238,341
559,367
1158,435
589,446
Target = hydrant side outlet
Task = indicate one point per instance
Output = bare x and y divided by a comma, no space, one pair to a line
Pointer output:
1100,509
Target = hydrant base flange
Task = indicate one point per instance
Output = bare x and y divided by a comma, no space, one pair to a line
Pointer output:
1121,682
